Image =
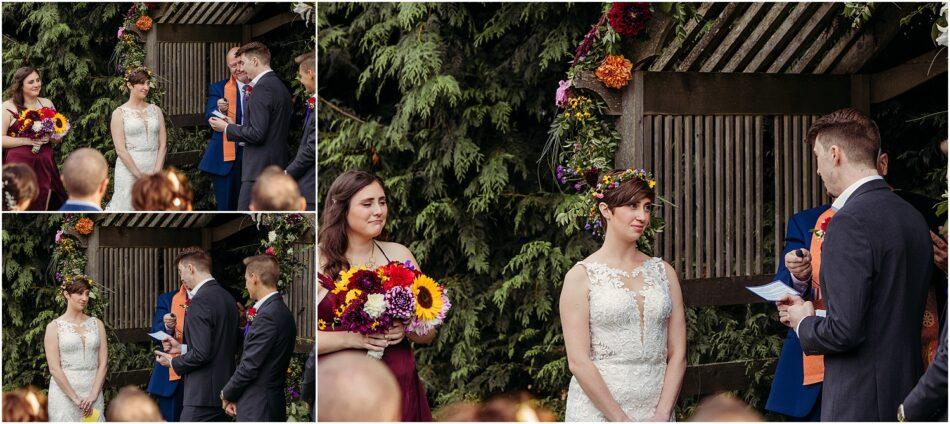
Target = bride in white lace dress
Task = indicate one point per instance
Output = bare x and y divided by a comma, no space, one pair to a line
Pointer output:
76,354
138,133
623,318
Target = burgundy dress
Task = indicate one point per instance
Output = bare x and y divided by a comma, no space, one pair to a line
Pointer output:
399,358
47,174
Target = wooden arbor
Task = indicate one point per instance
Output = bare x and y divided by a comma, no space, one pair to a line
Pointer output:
719,116
188,43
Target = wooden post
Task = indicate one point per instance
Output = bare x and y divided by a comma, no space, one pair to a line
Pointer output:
630,153
861,93
92,256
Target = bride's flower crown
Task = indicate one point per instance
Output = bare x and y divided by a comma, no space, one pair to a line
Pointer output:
129,72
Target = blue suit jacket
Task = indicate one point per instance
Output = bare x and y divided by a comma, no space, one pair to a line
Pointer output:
75,207
159,385
788,395
213,160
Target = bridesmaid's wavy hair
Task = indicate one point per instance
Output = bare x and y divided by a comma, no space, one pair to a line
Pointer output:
16,86
332,237
629,193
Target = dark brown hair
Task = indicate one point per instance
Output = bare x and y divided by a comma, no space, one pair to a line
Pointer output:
138,76
629,193
264,267
307,61
19,183
256,49
854,132
162,191
332,238
16,87
77,285
196,256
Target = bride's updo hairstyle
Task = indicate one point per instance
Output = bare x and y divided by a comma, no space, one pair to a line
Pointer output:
76,285
16,86
332,237
136,76
620,187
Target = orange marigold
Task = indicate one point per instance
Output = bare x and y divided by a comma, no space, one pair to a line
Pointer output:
144,23
614,71
84,226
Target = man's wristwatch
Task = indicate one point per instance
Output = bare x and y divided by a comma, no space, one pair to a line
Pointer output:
900,413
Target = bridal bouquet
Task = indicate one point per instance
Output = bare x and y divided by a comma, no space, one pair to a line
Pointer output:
369,301
37,124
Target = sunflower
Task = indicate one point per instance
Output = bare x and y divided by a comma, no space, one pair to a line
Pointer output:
352,295
428,298
60,123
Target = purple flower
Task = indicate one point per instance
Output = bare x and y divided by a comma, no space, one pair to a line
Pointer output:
401,302
121,32
59,277
560,174
293,393
367,281
408,264
563,93
293,219
578,186
59,236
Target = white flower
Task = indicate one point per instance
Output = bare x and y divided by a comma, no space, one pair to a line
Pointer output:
305,10
942,38
37,126
272,236
375,305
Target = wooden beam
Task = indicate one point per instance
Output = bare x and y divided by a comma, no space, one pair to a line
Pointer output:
886,85
631,150
195,119
882,29
183,33
722,291
92,256
134,335
861,93
231,228
148,237
612,98
184,160
693,93
708,379
128,378
272,23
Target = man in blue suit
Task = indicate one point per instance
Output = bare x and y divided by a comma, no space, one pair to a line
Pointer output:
222,159
789,396
169,394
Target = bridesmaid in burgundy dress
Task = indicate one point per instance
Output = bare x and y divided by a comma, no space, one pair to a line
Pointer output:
354,215
25,94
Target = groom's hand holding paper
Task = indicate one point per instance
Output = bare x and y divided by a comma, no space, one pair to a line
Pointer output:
218,124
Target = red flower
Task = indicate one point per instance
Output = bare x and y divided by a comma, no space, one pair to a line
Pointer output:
250,313
312,102
47,112
398,276
824,224
629,19
270,251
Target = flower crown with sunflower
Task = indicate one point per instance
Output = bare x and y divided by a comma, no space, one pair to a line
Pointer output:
129,72
595,222
68,278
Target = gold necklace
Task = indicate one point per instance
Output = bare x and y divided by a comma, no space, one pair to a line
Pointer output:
372,258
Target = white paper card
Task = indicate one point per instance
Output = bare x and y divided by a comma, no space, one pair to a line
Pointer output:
159,335
821,312
184,349
773,291
219,114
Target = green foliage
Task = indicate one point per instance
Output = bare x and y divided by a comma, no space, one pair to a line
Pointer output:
858,13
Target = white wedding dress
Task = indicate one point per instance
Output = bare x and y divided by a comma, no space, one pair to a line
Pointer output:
141,140
629,352
79,358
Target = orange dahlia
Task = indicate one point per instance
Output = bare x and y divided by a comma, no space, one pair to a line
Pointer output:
144,23
84,226
614,71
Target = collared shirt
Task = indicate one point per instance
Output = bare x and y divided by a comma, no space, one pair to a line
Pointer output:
258,77
193,292
257,305
838,204
84,203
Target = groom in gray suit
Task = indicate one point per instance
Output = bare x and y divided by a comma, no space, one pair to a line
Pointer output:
266,119
875,271
304,168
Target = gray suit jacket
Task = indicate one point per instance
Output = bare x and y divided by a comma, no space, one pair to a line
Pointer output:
258,383
875,271
265,127
304,168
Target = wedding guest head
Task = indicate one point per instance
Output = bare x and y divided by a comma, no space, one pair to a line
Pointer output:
76,289
307,71
276,191
626,209
234,65
355,205
847,145
25,405
20,187
724,407
133,405
26,84
348,381
163,191
86,175
255,58
502,408
260,275
194,266
138,81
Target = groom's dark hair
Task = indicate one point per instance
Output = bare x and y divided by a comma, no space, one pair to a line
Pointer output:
195,256
854,132
265,267
256,49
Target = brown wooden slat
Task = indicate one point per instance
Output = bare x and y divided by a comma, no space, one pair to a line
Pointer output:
709,182
706,11
805,36
722,291
808,59
779,199
738,33
739,203
759,193
729,194
668,243
796,152
689,203
713,36
778,39
719,179
754,42
749,195
699,186
678,187
657,140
